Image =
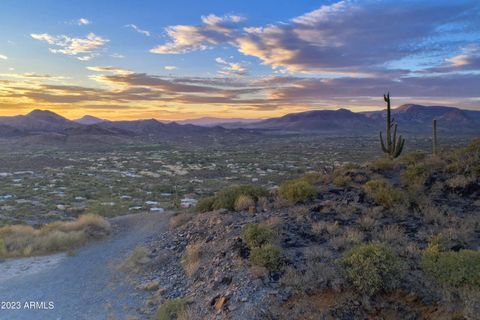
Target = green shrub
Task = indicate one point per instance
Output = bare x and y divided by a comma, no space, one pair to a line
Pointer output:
415,174
383,164
382,192
457,273
205,204
372,267
268,256
315,178
257,235
297,191
225,199
342,181
413,157
170,310
244,202
452,269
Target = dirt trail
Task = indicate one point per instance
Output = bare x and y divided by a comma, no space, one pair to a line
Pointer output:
84,286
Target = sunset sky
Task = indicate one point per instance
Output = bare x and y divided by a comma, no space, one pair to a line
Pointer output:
237,58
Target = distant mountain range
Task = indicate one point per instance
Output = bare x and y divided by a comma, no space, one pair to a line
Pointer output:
213,121
411,118
47,126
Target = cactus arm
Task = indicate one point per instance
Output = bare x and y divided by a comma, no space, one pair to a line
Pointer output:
399,149
384,149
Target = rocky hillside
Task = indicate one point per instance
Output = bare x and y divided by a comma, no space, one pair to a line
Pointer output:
389,239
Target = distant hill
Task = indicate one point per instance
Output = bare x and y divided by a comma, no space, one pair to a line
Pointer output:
418,118
410,117
45,128
213,121
340,121
88,120
38,121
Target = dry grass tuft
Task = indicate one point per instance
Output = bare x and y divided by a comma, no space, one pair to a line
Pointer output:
458,182
392,234
244,202
22,240
135,260
367,223
192,259
332,228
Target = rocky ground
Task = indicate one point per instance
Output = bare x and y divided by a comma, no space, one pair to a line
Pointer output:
205,260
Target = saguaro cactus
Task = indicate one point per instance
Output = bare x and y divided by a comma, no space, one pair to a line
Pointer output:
392,146
434,137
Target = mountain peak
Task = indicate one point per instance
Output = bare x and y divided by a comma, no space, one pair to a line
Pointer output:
40,112
45,115
89,120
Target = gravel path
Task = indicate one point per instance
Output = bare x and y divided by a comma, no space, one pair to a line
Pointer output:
84,286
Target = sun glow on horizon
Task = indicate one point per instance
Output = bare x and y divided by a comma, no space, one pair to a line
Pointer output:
242,62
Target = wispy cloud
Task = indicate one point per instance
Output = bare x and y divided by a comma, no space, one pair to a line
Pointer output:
84,48
33,76
117,56
3,57
137,29
231,68
184,38
170,68
114,70
83,21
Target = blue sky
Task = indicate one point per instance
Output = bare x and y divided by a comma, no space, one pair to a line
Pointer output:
184,59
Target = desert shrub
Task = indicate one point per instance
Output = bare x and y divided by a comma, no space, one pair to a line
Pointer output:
391,234
226,198
459,182
371,267
3,248
382,192
367,223
413,157
453,269
383,164
244,202
205,204
257,235
268,256
351,166
316,178
170,310
332,228
341,180
457,273
296,191
415,174
22,240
